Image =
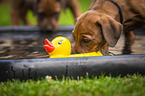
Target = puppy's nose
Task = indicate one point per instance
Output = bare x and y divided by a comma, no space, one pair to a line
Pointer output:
50,28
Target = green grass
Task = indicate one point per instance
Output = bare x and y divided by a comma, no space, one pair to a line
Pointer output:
104,86
65,19
5,15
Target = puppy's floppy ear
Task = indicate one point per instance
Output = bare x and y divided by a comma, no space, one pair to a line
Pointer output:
111,29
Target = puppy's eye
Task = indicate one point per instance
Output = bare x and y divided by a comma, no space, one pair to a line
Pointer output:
41,15
85,40
56,14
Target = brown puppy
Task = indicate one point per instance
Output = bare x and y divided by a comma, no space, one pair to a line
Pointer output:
46,11
100,26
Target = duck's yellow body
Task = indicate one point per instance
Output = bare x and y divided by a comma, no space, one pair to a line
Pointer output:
78,55
60,47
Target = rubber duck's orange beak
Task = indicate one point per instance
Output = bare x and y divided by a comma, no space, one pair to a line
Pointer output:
49,47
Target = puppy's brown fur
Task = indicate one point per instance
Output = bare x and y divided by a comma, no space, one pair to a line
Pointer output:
46,11
100,26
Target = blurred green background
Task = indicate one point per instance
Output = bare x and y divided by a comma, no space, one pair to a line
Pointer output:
65,19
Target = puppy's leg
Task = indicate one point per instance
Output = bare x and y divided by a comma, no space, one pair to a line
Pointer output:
23,16
129,40
15,11
15,18
75,8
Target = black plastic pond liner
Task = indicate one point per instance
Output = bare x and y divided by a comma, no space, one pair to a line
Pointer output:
73,67
60,28
32,28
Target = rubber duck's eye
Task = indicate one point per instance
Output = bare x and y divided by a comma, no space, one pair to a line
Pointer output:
59,42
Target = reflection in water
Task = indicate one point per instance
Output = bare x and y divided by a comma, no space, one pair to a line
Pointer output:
26,45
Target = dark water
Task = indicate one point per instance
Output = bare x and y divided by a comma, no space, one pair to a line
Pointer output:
20,45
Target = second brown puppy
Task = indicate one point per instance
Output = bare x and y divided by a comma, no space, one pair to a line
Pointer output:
46,11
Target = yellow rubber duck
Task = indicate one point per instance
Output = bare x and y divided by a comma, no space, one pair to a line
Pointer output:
60,47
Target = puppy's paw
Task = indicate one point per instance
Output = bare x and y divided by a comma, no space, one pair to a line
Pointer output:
126,51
